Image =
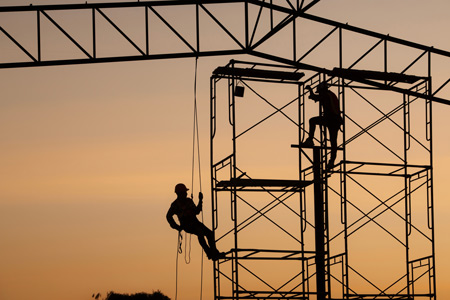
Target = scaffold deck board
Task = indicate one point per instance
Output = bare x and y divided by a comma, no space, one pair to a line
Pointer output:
257,73
264,183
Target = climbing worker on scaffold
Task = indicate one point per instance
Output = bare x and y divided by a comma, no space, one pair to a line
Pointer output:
186,212
331,118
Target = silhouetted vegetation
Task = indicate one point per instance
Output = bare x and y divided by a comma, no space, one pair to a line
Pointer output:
156,295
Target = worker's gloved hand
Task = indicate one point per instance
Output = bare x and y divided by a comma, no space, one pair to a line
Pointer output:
310,91
200,202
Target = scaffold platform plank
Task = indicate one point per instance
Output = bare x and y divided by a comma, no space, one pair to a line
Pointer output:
385,296
376,75
238,182
314,147
269,254
257,73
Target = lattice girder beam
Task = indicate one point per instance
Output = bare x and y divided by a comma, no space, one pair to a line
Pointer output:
265,18
151,10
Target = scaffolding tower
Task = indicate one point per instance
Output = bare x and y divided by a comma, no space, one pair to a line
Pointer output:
303,237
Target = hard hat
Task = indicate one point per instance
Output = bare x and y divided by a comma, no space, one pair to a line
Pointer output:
323,85
180,188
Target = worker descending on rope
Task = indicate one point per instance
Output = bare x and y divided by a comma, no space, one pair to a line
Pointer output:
186,211
331,118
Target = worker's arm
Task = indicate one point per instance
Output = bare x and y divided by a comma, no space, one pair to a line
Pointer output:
200,203
171,220
312,96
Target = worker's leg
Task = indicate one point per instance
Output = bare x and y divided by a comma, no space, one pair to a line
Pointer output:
210,237
333,130
196,228
205,238
202,241
313,122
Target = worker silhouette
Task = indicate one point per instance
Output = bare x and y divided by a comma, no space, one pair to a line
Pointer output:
186,212
331,118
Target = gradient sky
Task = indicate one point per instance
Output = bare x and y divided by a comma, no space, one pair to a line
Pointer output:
91,153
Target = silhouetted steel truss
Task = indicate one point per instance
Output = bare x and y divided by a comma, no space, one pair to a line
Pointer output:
279,14
150,9
342,74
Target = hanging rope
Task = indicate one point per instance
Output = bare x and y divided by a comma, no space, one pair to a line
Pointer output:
187,248
196,147
195,150
179,251
195,136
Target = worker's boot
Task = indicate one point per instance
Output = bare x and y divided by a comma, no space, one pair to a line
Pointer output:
218,255
330,165
308,142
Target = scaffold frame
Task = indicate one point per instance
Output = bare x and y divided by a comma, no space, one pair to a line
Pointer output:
413,178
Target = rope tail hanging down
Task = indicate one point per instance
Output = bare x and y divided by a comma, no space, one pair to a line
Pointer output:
179,251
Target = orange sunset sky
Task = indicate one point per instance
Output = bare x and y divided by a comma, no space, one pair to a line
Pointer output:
90,155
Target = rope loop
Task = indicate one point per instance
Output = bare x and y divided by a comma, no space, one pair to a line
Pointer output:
180,243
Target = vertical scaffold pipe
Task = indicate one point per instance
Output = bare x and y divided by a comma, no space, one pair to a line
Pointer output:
319,224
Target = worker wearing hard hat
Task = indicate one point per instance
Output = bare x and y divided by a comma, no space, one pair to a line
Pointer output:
331,118
186,212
